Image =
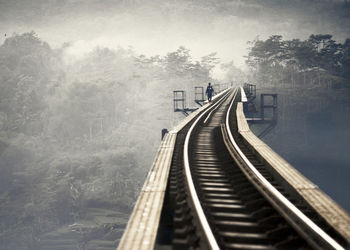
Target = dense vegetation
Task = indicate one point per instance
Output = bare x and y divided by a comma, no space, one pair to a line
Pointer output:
80,134
319,60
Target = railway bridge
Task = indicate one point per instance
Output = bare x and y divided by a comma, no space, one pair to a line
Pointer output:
215,185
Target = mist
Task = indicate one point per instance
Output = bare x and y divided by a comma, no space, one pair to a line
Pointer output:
86,88
157,27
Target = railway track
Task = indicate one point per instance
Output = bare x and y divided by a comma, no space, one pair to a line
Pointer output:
221,196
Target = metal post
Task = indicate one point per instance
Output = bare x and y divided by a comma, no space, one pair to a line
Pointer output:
275,107
262,108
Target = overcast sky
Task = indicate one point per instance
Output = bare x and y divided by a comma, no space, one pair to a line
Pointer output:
159,26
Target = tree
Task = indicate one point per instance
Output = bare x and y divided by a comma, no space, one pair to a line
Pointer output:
27,64
319,57
178,62
345,59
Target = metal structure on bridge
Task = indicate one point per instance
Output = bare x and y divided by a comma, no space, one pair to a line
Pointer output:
272,105
199,95
179,98
250,90
180,102
267,118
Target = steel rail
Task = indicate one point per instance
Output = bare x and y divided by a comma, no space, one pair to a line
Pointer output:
193,194
267,189
209,115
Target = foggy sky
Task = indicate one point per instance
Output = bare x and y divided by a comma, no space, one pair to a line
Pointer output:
159,26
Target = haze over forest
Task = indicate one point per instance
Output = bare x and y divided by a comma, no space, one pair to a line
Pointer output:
86,87
157,27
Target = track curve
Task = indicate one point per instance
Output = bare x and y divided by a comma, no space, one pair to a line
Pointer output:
216,205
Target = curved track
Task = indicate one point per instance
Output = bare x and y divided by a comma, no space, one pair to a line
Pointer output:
219,201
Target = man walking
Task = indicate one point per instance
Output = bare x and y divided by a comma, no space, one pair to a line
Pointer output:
209,92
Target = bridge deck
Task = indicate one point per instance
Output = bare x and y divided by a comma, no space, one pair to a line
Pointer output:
336,216
145,217
142,227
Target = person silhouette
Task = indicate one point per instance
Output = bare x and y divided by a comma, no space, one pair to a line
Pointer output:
209,92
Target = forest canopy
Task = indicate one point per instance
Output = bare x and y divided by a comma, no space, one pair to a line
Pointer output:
317,60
